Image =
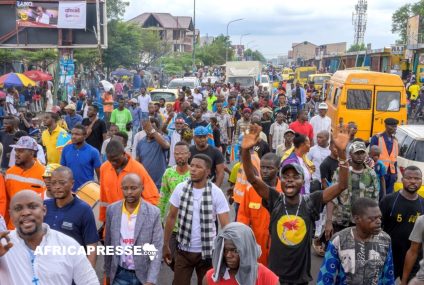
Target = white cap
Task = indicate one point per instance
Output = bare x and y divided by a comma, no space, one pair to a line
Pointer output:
322,106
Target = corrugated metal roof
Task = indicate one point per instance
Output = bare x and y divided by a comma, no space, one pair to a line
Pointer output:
165,20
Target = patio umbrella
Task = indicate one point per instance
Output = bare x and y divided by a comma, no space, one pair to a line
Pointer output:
2,95
15,80
121,72
107,86
38,75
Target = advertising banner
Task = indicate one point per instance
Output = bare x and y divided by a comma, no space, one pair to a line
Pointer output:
60,14
72,15
37,14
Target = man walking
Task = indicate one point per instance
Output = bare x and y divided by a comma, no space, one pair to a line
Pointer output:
321,122
50,136
196,203
133,222
121,116
96,128
70,215
81,158
389,146
399,211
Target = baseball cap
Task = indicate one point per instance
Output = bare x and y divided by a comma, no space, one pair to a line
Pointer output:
25,142
296,167
71,107
391,122
247,110
50,168
289,131
322,106
357,146
201,131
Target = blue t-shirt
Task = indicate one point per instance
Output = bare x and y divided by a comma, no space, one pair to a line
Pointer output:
75,220
72,121
82,162
153,158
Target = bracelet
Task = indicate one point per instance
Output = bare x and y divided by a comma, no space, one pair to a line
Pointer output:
344,165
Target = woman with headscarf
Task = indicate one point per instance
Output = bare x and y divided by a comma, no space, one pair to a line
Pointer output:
235,257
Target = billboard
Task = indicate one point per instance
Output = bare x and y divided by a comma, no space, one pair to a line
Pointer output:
53,24
412,30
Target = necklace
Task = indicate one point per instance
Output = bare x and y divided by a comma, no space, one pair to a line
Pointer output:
298,206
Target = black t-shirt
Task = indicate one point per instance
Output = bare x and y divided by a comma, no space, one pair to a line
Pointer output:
399,216
214,154
95,139
328,167
196,124
6,140
261,148
266,126
291,236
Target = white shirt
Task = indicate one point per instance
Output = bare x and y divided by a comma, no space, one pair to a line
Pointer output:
277,133
175,137
197,98
40,156
317,155
394,105
307,175
320,124
143,102
10,108
16,267
126,238
220,206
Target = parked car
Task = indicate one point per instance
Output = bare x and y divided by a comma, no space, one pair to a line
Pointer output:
178,83
265,82
170,95
411,151
213,79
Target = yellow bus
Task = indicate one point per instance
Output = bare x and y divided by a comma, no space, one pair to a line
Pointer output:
302,73
318,79
366,98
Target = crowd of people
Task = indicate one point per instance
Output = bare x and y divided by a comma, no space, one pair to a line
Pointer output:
294,184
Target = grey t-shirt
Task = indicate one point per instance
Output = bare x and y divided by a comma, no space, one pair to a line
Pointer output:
417,235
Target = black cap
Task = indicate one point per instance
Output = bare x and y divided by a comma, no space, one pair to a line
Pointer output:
294,166
391,122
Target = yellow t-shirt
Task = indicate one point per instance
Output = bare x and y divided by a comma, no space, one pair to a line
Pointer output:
49,140
414,89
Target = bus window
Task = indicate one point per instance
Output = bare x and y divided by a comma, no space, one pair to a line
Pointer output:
388,101
336,96
329,92
358,99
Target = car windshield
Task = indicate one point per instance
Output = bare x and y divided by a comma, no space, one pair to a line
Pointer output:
175,84
320,79
168,96
244,81
264,79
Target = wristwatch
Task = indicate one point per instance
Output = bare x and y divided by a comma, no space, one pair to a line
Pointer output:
152,132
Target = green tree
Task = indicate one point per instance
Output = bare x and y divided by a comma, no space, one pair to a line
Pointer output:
402,14
87,57
254,55
116,9
124,47
357,47
214,53
152,47
177,63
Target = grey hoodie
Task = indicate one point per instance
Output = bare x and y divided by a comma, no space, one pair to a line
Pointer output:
249,251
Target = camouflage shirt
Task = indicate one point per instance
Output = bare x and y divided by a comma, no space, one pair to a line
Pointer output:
363,184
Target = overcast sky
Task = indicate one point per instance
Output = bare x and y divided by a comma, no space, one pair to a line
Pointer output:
274,25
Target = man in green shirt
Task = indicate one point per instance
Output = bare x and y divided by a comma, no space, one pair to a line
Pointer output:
171,178
121,116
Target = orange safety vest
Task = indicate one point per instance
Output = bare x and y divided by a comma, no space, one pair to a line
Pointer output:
388,160
252,213
241,182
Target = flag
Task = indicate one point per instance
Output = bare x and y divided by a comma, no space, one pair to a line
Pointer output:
210,135
62,140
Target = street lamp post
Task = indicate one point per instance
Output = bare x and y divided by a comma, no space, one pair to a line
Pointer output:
226,50
194,36
241,37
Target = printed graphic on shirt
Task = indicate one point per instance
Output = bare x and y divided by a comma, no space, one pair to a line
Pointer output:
291,230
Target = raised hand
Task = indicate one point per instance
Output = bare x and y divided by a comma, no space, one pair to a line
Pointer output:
251,136
4,248
341,138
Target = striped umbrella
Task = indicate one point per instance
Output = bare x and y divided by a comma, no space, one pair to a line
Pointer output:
15,80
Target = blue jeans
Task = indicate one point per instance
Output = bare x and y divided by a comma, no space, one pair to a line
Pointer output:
125,277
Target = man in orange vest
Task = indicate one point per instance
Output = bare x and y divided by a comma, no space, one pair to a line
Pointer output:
389,146
253,213
26,174
242,184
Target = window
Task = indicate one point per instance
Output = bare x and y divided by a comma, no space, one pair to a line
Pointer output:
405,146
336,96
329,92
400,135
175,35
388,101
358,99
419,155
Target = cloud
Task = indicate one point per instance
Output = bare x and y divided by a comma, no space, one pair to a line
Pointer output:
274,25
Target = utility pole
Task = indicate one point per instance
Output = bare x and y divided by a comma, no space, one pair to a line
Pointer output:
194,36
359,21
